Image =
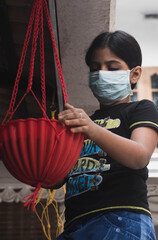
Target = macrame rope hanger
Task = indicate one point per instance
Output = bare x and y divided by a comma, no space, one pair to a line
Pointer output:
35,27
36,18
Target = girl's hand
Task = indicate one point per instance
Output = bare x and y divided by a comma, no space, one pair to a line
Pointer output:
78,120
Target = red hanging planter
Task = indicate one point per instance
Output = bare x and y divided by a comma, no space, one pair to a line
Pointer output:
38,152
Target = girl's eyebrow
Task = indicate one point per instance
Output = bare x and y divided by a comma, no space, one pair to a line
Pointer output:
107,62
112,61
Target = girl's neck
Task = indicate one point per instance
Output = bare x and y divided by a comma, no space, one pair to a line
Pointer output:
125,100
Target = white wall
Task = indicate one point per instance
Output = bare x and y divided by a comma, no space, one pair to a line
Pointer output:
130,18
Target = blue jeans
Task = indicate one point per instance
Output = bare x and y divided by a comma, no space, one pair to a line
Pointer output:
119,225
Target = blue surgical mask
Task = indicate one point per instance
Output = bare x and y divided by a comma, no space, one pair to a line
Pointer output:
110,86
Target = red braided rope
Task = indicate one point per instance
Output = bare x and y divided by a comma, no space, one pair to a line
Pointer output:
31,199
34,44
43,87
22,60
36,17
55,51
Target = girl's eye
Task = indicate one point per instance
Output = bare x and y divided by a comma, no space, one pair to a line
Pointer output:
94,69
112,69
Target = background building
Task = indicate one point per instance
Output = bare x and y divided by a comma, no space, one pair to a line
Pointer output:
140,19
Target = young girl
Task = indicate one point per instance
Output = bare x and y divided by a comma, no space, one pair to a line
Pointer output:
106,190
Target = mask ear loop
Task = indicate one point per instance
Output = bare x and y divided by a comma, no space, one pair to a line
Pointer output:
132,69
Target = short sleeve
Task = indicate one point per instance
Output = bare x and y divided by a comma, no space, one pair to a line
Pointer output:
145,114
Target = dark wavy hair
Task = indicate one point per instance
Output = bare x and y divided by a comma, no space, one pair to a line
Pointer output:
122,44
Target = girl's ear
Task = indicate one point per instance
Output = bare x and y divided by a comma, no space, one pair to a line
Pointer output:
135,74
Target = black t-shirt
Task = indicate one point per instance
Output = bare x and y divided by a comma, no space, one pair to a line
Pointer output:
97,182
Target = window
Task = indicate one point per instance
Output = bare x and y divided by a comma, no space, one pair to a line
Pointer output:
134,97
147,86
154,85
154,80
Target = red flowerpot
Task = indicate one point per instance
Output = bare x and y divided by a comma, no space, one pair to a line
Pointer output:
39,151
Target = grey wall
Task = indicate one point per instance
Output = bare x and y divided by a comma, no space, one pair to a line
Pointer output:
79,21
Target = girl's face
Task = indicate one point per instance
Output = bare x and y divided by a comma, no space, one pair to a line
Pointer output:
105,59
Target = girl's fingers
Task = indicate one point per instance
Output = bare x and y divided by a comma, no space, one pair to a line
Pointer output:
79,129
71,113
75,115
75,122
68,115
68,106
76,119
64,112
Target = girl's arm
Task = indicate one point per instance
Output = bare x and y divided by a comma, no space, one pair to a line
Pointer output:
134,153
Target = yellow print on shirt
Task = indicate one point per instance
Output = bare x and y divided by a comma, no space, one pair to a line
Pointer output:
108,123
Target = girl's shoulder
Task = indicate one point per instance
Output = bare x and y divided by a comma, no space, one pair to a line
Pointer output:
144,104
133,109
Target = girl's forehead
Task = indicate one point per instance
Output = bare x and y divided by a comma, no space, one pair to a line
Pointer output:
104,54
